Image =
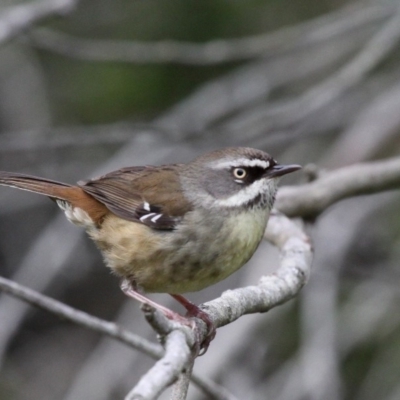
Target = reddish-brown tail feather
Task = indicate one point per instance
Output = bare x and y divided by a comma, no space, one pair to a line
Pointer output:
34,184
56,190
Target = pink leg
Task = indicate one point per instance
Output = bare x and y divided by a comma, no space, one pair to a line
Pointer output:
192,311
130,291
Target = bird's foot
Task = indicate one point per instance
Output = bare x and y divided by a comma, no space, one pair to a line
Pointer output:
195,311
192,311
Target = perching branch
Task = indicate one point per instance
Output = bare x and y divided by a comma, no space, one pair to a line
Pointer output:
166,370
181,386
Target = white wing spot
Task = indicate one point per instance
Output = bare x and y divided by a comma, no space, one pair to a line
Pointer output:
144,217
155,218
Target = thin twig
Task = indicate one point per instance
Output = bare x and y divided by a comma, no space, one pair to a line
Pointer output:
114,331
80,318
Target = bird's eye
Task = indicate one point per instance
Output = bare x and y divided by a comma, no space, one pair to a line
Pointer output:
239,173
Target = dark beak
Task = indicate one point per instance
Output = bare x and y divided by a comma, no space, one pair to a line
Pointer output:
280,170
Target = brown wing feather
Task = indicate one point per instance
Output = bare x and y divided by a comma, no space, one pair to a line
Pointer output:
125,191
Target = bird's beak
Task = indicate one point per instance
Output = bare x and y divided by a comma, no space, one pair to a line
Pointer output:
280,170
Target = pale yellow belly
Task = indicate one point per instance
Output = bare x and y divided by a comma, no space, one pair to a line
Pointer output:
182,260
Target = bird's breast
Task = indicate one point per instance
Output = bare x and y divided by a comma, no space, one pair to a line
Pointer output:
201,251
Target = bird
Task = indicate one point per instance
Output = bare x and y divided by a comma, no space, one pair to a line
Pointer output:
173,228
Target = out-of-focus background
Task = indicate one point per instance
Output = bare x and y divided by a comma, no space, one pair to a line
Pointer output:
89,86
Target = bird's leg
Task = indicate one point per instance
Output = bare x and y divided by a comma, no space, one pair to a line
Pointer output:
195,311
129,290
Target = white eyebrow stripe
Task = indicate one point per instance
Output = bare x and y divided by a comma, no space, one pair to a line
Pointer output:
242,162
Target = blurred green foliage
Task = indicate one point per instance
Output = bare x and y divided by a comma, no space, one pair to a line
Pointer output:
99,92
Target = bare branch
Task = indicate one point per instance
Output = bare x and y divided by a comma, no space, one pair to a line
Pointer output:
80,318
181,386
165,371
16,19
311,199
163,326
109,329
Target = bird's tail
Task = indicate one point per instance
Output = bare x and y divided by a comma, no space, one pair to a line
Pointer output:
47,187
71,199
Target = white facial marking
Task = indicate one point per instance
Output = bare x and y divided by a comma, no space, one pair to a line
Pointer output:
146,206
249,193
242,162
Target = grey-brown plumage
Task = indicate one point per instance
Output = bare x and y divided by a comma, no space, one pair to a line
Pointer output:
173,228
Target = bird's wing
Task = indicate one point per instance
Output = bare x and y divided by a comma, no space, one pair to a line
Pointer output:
148,195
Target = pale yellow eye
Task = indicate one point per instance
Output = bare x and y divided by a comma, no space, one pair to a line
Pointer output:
239,173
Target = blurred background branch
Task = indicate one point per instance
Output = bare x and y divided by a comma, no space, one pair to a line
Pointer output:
18,18
286,39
